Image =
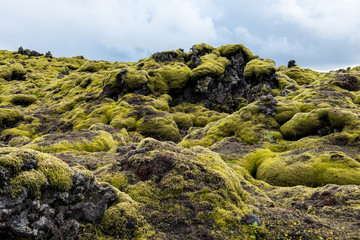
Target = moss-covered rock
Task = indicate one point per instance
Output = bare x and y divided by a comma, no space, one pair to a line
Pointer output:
301,75
319,122
9,117
160,127
90,141
211,65
232,49
257,68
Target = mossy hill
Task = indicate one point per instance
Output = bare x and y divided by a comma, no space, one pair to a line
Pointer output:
214,143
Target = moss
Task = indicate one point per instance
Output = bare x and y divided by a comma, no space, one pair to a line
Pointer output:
23,99
32,180
247,124
135,78
211,65
182,120
318,122
124,221
18,141
89,141
253,160
93,66
203,47
257,68
310,169
16,131
169,77
161,127
9,117
232,49
300,75
58,173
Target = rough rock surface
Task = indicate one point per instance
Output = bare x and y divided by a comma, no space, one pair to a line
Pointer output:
44,212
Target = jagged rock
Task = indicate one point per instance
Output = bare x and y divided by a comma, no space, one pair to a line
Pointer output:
42,198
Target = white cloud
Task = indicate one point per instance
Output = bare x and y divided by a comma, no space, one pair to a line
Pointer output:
327,19
133,27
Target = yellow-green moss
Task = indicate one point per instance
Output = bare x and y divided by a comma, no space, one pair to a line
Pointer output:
32,180
22,99
161,127
89,141
211,65
8,117
232,49
18,141
135,78
257,67
93,66
312,123
203,47
88,175
301,75
58,173
310,169
183,120
169,77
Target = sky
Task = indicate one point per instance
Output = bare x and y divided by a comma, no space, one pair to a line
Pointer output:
318,34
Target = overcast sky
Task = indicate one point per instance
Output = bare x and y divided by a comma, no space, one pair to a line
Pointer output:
320,34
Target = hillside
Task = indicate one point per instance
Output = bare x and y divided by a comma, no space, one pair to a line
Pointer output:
215,143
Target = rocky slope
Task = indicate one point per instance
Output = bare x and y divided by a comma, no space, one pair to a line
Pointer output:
215,143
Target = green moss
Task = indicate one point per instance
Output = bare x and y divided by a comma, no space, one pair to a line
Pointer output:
247,124
9,117
169,77
32,180
16,131
301,76
310,169
58,173
135,78
203,47
231,49
89,141
88,175
257,67
18,141
93,66
23,99
12,159
319,121
211,65
183,120
161,127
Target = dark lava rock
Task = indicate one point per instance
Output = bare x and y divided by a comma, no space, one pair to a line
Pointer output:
51,213
291,63
251,219
348,82
164,56
268,104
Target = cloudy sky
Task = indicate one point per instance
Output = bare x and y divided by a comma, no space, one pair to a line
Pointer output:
320,34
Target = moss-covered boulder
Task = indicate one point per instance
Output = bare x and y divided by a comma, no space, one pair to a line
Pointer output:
301,75
90,141
184,192
257,68
42,197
